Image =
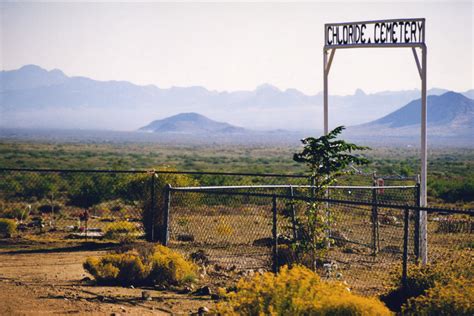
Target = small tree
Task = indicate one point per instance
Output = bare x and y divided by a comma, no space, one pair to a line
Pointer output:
327,158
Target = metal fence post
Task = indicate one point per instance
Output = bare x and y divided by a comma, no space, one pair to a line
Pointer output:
416,237
153,206
313,189
293,215
375,220
405,246
275,235
166,215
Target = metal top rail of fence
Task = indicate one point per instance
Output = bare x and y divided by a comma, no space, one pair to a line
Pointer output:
287,186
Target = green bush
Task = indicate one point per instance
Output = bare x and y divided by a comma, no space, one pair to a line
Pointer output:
421,278
159,266
296,291
7,227
122,231
454,298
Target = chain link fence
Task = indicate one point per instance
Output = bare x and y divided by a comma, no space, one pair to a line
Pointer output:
249,228
97,204
238,221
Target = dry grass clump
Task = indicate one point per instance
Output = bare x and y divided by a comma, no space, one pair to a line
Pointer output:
296,291
423,279
454,298
160,266
122,231
7,227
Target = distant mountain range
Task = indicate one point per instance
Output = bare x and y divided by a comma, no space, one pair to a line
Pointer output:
450,118
450,114
191,123
33,97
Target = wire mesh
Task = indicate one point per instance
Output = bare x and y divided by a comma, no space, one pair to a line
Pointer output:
114,204
368,240
237,232
232,224
450,234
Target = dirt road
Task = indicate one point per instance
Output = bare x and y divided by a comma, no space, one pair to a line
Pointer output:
39,280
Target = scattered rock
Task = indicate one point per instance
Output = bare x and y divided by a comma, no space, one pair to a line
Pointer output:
339,238
391,249
218,267
348,250
205,290
389,220
160,287
146,296
268,241
200,256
185,290
185,237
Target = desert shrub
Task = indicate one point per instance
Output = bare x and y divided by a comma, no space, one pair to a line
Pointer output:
7,227
296,291
122,231
122,269
159,266
421,278
454,298
170,267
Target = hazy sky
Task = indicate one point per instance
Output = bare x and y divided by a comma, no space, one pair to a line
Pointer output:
234,46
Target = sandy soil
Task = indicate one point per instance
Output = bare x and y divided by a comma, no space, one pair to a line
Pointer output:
43,280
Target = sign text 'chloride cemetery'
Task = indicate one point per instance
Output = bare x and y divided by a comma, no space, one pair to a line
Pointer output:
403,32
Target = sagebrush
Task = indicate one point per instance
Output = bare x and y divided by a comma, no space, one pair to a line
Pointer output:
422,278
7,227
159,266
296,291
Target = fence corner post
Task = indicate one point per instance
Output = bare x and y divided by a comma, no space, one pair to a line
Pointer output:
152,238
275,235
166,214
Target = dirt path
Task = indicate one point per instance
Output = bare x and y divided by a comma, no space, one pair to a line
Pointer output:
44,282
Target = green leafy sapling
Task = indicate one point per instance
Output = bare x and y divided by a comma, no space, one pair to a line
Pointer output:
327,158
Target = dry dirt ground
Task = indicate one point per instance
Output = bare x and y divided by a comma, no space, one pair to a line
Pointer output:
44,279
